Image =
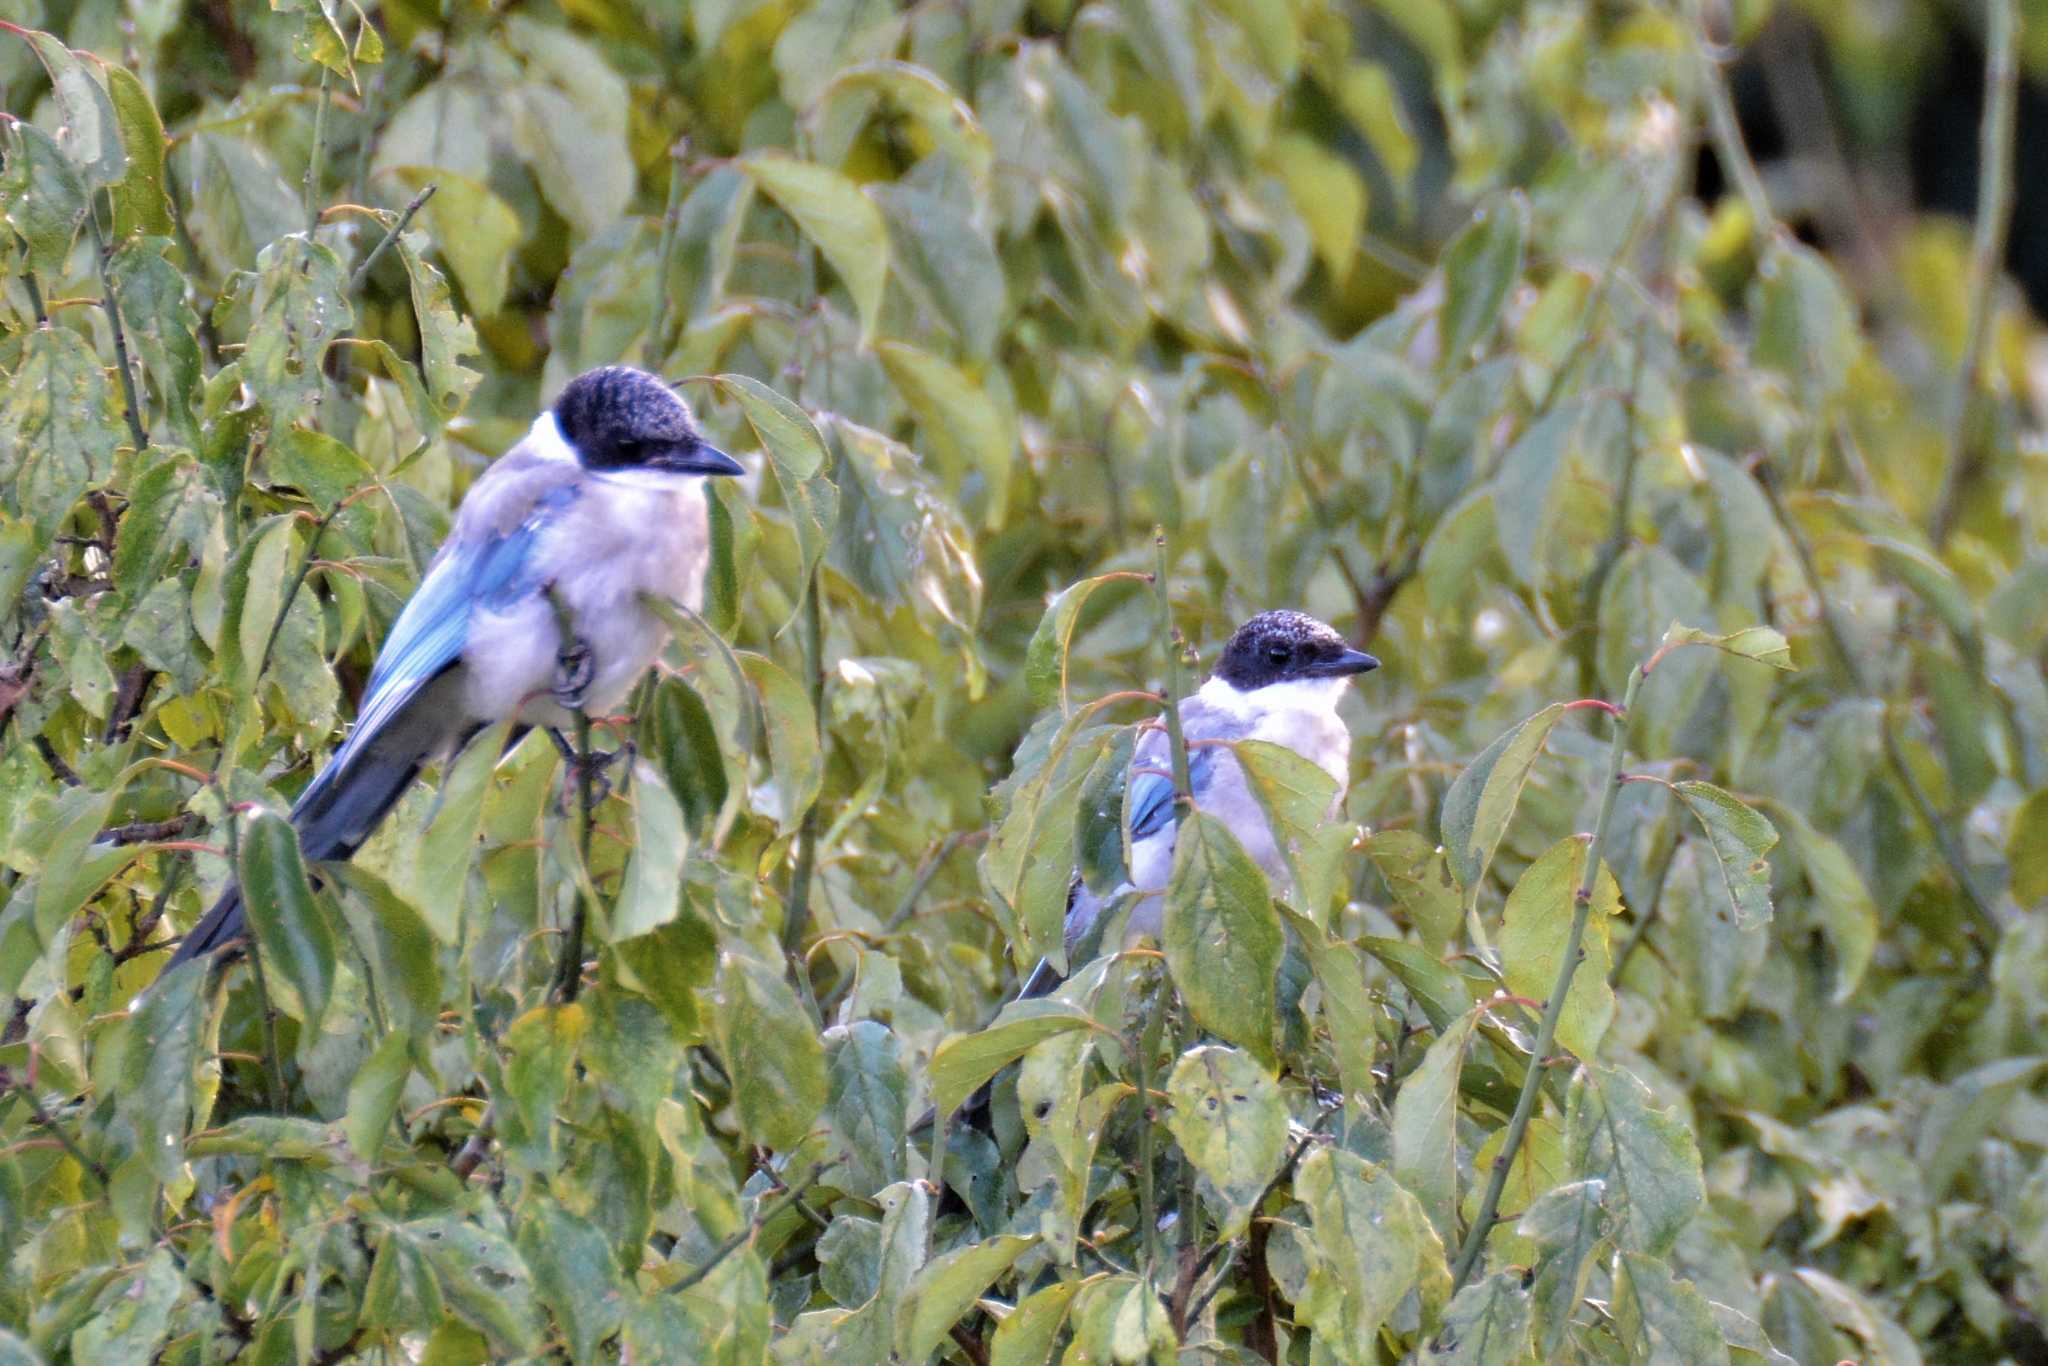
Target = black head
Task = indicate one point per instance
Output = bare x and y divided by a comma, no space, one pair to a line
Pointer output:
620,418
1286,647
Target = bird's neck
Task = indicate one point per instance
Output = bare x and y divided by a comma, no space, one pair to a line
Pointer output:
1301,695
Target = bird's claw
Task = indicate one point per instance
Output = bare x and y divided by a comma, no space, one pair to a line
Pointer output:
575,670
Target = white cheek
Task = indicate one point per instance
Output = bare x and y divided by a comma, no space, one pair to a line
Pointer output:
545,440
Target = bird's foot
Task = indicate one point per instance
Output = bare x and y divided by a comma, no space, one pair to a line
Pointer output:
597,764
575,670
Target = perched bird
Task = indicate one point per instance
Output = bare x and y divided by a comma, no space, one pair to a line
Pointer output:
600,503
1279,680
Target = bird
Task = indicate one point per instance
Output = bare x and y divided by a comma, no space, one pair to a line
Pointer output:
1279,679
598,507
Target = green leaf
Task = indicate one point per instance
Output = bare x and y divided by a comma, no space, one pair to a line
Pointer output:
317,465
962,1062
373,1095
1376,1245
292,931
1442,993
43,195
866,1101
395,942
793,751
1228,1117
1846,907
300,306
1046,657
141,206
445,334
1419,875
137,1314
1101,835
1570,1225
970,435
1481,265
776,1062
1660,1318
1328,193
1028,862
2026,849
651,892
162,329
1486,1325
1805,322
1760,643
1535,925
947,262
832,212
1348,1006
796,453
684,742
58,430
942,1292
1221,935
911,91
1526,492
1645,1155
160,1048
1740,837
89,132
242,206
447,849
1300,801
898,538
1481,800
1027,1336
482,1277
575,1272
1426,1125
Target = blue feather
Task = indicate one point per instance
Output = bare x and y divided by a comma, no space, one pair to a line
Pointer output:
1152,794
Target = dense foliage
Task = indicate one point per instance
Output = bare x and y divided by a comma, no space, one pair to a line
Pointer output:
1407,315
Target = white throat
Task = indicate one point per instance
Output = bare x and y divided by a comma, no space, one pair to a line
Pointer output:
1313,695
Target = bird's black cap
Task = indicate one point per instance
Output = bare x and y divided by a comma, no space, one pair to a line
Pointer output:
621,418
1284,647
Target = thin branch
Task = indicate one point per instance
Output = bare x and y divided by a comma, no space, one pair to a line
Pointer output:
1987,250
796,923
316,155
1726,132
112,307
656,350
362,272
148,832
1553,1010
45,1121
754,1226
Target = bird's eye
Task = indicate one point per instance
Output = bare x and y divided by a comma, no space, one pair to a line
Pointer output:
627,452
1277,654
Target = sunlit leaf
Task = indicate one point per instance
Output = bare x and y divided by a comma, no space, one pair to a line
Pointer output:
1221,935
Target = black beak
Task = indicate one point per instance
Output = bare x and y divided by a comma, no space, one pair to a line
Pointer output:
1346,664
698,458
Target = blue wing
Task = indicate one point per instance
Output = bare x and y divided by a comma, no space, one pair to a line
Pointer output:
432,629
1152,794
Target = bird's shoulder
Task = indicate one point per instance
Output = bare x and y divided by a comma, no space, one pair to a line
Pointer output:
518,483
